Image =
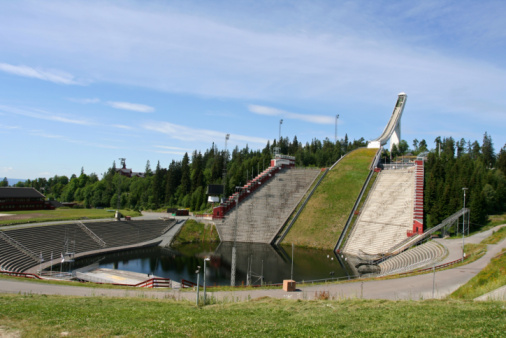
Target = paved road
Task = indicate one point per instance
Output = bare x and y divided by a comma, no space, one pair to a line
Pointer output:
415,287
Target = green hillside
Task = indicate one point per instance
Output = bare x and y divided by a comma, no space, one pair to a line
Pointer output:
323,219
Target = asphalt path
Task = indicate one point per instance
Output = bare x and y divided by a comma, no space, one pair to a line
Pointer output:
407,288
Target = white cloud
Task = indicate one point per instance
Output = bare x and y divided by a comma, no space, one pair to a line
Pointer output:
263,110
84,101
5,170
44,115
55,76
121,126
174,148
184,133
141,108
3,126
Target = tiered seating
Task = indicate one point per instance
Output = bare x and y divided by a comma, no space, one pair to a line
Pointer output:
249,187
261,215
69,237
386,216
418,257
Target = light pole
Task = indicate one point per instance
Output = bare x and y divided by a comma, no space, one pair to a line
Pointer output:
335,136
291,273
205,260
280,123
225,156
198,280
463,223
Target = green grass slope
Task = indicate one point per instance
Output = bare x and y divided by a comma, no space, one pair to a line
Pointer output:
57,316
325,215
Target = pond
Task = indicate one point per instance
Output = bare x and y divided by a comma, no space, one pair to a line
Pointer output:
274,263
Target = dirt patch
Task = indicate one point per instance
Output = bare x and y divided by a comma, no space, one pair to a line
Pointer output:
4,333
8,217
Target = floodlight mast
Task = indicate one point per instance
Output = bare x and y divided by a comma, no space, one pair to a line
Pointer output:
335,135
225,157
463,224
118,206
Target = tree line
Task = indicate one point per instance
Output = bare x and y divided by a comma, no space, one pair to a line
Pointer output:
455,165
184,183
451,166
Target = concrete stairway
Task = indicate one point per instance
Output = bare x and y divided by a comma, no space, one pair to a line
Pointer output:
420,256
387,215
263,213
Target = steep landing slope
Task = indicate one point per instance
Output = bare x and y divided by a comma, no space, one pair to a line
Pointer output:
387,215
325,215
261,215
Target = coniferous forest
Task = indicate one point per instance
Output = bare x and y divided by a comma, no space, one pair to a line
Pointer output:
449,167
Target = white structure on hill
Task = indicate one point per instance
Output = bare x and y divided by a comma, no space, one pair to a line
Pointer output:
392,131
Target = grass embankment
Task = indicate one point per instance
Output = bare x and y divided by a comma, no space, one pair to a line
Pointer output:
325,215
492,277
59,214
195,232
35,315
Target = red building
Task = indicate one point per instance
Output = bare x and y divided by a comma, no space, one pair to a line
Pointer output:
128,172
12,199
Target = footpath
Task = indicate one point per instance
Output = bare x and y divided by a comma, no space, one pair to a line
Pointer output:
408,288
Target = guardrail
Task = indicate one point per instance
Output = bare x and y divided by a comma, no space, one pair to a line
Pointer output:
20,246
93,235
155,282
19,274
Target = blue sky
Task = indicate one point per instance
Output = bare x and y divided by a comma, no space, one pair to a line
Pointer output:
83,83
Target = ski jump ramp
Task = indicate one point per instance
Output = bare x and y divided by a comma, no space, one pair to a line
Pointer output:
392,131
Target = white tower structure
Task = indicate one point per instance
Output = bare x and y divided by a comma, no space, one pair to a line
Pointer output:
392,131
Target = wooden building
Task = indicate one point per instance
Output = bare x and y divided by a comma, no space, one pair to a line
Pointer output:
12,199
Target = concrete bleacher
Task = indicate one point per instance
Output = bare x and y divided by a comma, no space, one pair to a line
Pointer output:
64,238
418,257
261,215
387,214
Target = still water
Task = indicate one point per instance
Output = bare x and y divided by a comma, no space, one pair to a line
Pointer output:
273,263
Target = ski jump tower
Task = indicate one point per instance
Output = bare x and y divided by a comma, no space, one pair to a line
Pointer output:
392,131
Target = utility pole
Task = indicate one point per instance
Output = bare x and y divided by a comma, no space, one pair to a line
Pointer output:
234,253
198,277
463,224
118,206
280,123
335,135
225,157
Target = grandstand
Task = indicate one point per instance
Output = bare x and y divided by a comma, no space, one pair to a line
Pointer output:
416,258
22,249
261,214
387,215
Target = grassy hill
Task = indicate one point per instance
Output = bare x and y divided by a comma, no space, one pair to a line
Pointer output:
52,316
323,219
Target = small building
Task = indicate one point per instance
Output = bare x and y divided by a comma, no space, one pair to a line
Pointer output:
128,172
12,199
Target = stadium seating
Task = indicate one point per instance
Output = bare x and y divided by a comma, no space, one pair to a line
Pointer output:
70,238
418,257
263,213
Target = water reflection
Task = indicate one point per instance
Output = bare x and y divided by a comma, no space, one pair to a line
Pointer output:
253,259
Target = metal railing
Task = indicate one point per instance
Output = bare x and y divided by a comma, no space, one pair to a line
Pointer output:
20,246
90,233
